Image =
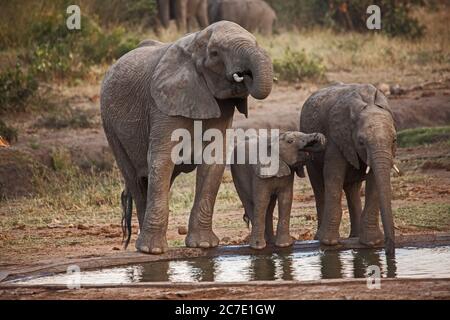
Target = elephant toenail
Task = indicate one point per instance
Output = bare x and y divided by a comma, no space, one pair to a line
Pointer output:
204,244
144,249
156,250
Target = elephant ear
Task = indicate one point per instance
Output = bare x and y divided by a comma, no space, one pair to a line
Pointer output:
283,170
341,118
382,102
178,89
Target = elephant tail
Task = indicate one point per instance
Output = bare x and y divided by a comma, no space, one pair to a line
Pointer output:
246,219
127,210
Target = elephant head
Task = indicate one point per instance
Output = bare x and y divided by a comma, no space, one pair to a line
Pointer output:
221,62
361,124
294,150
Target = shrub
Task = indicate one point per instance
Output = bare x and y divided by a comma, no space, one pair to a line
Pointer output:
297,66
349,15
16,87
8,133
69,118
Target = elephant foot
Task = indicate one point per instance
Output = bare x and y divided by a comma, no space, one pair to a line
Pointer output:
257,243
284,241
354,233
152,242
371,237
328,237
270,239
201,239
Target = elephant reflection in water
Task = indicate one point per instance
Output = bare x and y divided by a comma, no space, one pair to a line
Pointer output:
197,270
364,258
331,262
264,267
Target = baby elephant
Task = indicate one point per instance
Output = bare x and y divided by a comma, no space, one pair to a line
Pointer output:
259,190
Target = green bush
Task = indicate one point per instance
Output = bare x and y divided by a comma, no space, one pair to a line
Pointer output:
16,87
297,66
349,15
7,132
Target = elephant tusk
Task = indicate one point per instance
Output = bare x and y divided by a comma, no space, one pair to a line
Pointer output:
237,78
367,170
396,169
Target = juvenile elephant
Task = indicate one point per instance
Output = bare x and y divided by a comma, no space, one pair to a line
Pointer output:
253,15
359,126
158,88
260,191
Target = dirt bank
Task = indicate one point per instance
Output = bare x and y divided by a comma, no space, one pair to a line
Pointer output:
391,289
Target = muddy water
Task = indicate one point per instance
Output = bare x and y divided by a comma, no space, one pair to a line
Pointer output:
314,265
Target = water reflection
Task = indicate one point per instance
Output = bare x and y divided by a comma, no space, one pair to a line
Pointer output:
286,265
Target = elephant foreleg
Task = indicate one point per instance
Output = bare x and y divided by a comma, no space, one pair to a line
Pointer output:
334,171
200,232
257,236
369,232
284,238
315,174
202,14
352,192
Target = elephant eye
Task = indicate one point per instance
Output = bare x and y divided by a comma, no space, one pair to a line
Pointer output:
214,53
290,141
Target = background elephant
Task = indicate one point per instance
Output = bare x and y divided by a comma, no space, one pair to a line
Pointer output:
359,127
253,15
259,192
185,12
155,89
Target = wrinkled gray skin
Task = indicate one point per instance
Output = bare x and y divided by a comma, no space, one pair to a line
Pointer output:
259,192
185,12
253,15
358,124
155,89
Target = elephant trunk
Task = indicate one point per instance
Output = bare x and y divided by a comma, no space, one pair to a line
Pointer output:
259,82
381,162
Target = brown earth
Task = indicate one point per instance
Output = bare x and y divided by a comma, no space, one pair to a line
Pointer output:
391,289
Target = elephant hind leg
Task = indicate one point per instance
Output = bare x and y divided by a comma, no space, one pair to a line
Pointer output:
135,188
352,193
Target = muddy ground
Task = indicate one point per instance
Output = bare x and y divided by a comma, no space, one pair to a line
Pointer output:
425,185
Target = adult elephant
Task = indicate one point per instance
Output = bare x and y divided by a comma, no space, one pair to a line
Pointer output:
158,88
253,15
359,127
187,13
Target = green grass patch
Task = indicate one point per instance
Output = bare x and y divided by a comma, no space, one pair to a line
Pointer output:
423,136
435,216
296,66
